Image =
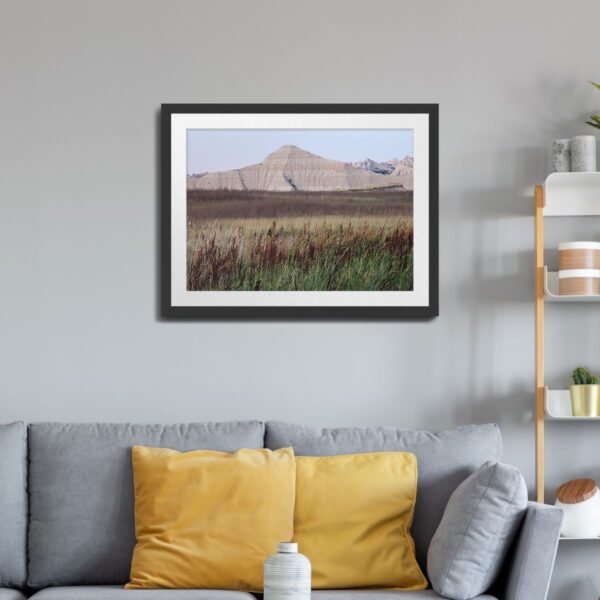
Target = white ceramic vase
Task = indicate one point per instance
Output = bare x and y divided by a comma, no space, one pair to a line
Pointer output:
583,153
581,519
287,574
561,156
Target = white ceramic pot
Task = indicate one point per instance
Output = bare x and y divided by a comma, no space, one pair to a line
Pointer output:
581,519
561,156
583,153
287,574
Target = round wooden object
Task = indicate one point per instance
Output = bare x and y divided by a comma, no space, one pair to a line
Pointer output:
579,282
579,255
576,490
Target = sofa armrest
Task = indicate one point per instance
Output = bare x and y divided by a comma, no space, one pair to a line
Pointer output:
531,560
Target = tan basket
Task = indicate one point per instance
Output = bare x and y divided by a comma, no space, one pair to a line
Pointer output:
579,255
579,282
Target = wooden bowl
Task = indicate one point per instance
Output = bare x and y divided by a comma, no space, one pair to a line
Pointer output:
579,282
579,255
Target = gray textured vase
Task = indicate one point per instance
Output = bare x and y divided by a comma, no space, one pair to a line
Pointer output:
287,574
583,153
561,156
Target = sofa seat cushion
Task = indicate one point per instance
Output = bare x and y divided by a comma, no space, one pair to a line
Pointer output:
81,505
444,460
10,594
381,595
109,592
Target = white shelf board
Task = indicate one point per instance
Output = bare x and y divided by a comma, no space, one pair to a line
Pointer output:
572,194
551,290
558,407
577,539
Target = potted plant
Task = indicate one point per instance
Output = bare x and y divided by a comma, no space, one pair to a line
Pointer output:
585,394
594,119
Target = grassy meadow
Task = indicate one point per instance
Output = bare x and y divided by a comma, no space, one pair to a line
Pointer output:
299,241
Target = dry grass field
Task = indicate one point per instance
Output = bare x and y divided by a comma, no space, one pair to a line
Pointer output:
300,241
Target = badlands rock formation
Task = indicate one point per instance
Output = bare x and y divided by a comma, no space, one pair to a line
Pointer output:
290,168
383,168
399,168
404,171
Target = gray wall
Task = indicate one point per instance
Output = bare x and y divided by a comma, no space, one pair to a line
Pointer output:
81,83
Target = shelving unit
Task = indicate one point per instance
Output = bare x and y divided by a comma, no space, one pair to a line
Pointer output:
557,405
562,195
551,290
571,195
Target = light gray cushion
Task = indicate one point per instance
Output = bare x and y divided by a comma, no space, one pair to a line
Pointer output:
107,592
532,556
13,505
10,594
482,517
381,595
444,460
81,529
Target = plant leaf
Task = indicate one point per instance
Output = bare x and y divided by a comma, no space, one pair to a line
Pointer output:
596,85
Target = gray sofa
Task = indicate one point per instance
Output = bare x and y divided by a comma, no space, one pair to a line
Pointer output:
68,513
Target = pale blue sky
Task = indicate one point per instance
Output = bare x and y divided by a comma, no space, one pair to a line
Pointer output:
223,149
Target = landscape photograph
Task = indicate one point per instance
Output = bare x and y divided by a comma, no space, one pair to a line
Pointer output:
299,210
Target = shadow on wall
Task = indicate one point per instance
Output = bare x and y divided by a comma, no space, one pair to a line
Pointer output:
580,590
580,584
498,285
495,288
158,213
515,407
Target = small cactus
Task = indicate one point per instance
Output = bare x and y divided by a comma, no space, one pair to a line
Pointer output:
582,376
579,376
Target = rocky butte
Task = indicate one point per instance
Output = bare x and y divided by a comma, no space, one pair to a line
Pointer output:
292,169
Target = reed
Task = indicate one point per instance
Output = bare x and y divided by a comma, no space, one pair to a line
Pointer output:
337,255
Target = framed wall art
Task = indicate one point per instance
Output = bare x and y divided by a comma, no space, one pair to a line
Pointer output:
285,210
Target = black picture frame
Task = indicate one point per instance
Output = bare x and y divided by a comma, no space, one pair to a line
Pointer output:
169,311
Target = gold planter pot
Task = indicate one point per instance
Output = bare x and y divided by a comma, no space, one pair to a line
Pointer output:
585,400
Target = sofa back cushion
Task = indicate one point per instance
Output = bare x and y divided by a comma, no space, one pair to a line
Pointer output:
444,460
82,528
13,505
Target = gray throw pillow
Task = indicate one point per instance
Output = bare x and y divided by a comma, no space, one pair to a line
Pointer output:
474,535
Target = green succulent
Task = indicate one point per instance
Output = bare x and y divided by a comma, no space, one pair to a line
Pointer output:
594,119
582,376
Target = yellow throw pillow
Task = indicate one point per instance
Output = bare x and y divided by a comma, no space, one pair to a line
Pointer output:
352,520
208,519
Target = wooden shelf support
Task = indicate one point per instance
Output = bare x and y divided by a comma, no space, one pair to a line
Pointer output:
539,342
